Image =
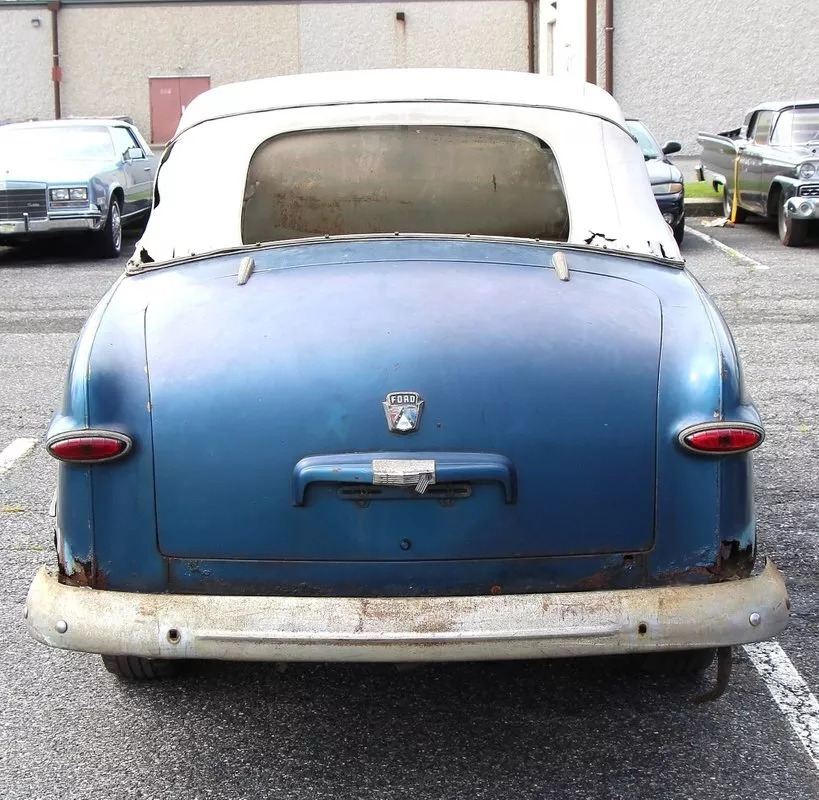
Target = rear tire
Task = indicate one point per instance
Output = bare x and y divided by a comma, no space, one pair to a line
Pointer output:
135,668
792,232
727,203
109,238
678,662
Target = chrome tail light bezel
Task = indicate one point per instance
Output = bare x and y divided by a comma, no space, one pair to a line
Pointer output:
691,430
89,433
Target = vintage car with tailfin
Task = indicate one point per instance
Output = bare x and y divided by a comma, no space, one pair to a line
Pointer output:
413,371
769,166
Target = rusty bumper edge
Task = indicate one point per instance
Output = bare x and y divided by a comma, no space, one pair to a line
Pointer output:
550,625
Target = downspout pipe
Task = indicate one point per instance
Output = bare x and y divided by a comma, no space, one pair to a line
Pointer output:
591,41
532,32
56,71
608,45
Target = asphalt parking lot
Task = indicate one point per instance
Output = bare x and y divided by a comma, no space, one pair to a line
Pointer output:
562,729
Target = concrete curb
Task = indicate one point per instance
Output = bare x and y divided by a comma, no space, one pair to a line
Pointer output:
703,207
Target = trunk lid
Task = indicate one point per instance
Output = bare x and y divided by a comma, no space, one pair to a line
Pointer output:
555,382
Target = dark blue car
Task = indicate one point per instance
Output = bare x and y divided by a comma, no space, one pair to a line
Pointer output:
392,389
666,178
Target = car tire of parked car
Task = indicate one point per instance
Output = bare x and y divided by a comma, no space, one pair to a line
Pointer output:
109,238
679,230
135,668
792,232
678,662
727,203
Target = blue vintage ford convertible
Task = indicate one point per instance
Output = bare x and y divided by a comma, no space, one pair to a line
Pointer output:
413,371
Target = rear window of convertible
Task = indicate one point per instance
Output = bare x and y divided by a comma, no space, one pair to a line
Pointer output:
408,179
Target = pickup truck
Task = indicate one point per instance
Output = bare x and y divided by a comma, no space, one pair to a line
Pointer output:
769,166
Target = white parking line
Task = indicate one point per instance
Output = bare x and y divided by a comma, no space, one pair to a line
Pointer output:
752,262
791,693
17,449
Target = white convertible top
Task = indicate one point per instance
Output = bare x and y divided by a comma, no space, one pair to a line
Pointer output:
202,180
495,87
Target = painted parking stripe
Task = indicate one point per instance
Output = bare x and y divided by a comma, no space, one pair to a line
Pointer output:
751,262
17,449
795,700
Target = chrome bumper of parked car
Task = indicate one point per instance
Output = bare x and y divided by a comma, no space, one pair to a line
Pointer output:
406,628
802,207
53,225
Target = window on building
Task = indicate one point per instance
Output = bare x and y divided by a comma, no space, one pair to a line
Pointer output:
410,179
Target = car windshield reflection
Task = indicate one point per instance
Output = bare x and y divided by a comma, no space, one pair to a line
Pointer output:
63,143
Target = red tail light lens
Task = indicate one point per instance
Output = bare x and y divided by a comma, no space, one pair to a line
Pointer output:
722,437
88,447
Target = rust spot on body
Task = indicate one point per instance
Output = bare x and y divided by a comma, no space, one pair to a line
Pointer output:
84,573
733,562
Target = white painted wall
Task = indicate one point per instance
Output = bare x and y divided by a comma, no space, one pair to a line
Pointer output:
568,40
25,64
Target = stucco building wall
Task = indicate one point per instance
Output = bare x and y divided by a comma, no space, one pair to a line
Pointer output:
227,42
25,64
109,51
487,34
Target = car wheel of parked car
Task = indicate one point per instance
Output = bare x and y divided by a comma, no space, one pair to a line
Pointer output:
109,239
677,662
679,230
792,232
727,203
135,668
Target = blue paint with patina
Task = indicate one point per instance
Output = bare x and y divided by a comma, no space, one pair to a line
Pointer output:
580,387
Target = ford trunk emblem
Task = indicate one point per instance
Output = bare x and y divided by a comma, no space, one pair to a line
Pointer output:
403,411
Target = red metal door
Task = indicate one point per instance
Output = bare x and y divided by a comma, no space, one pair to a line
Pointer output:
189,88
169,97
165,108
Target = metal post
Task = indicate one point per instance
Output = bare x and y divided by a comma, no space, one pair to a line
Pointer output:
591,41
609,46
530,21
56,72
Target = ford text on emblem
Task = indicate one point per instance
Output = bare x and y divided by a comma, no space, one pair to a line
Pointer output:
403,411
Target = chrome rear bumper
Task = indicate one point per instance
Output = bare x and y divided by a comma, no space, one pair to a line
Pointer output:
406,628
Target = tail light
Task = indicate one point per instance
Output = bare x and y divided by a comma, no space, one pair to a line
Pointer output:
88,446
717,438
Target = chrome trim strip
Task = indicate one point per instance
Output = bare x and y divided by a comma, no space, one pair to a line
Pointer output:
246,267
560,264
134,268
